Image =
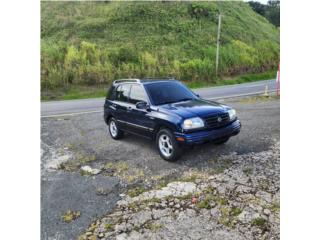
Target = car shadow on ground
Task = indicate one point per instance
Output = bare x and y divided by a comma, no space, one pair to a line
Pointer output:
199,157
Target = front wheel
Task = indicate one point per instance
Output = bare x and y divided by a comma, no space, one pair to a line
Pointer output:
114,130
167,145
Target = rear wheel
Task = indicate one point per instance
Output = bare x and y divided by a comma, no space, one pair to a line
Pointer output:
167,145
114,130
221,141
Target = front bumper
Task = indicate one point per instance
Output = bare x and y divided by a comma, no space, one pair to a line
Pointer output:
209,135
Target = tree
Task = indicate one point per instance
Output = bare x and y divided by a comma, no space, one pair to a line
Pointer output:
274,3
258,7
271,11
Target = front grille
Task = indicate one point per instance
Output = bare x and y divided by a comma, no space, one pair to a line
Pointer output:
212,121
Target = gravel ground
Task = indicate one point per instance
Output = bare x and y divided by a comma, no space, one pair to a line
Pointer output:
242,202
132,167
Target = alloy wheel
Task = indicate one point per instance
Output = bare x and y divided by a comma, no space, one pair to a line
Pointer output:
113,129
165,145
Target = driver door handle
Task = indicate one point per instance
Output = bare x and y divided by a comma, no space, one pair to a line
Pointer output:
113,106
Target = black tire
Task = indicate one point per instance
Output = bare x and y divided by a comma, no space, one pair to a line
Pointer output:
221,141
175,152
118,134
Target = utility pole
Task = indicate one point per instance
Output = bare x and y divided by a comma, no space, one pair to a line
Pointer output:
218,43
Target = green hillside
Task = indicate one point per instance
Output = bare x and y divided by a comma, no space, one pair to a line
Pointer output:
93,43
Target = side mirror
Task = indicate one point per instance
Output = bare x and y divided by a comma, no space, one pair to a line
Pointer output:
142,105
196,94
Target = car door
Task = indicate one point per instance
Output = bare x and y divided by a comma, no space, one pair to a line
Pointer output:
140,121
121,105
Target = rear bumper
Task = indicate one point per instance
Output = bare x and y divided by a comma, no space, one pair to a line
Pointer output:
211,135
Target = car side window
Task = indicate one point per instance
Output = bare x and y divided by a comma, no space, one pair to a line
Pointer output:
122,93
137,94
111,93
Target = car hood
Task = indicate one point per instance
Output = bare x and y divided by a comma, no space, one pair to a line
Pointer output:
194,108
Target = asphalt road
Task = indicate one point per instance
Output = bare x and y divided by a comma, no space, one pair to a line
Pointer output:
93,105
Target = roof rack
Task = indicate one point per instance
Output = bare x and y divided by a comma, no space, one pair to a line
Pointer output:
126,80
158,78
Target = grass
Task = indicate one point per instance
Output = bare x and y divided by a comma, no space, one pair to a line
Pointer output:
190,178
186,197
218,170
70,216
243,78
136,191
83,92
235,211
222,201
275,207
205,203
123,171
108,227
85,173
228,216
259,222
79,160
193,175
74,92
120,167
259,98
212,198
160,183
154,227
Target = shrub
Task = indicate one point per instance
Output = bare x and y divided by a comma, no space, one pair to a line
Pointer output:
197,69
239,57
148,64
124,55
201,10
89,53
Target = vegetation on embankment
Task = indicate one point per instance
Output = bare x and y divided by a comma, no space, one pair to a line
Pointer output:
86,45
100,90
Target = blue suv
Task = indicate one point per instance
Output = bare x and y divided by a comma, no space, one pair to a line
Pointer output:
167,111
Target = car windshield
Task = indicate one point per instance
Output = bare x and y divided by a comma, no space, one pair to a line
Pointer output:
168,92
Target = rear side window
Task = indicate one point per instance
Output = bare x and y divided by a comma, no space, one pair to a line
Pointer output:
122,93
111,93
137,94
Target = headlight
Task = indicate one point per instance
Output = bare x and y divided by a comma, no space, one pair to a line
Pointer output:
192,123
232,114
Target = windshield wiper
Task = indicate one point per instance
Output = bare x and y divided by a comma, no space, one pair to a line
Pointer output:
185,99
166,102
175,101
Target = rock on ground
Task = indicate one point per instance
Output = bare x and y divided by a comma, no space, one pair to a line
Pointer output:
242,202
